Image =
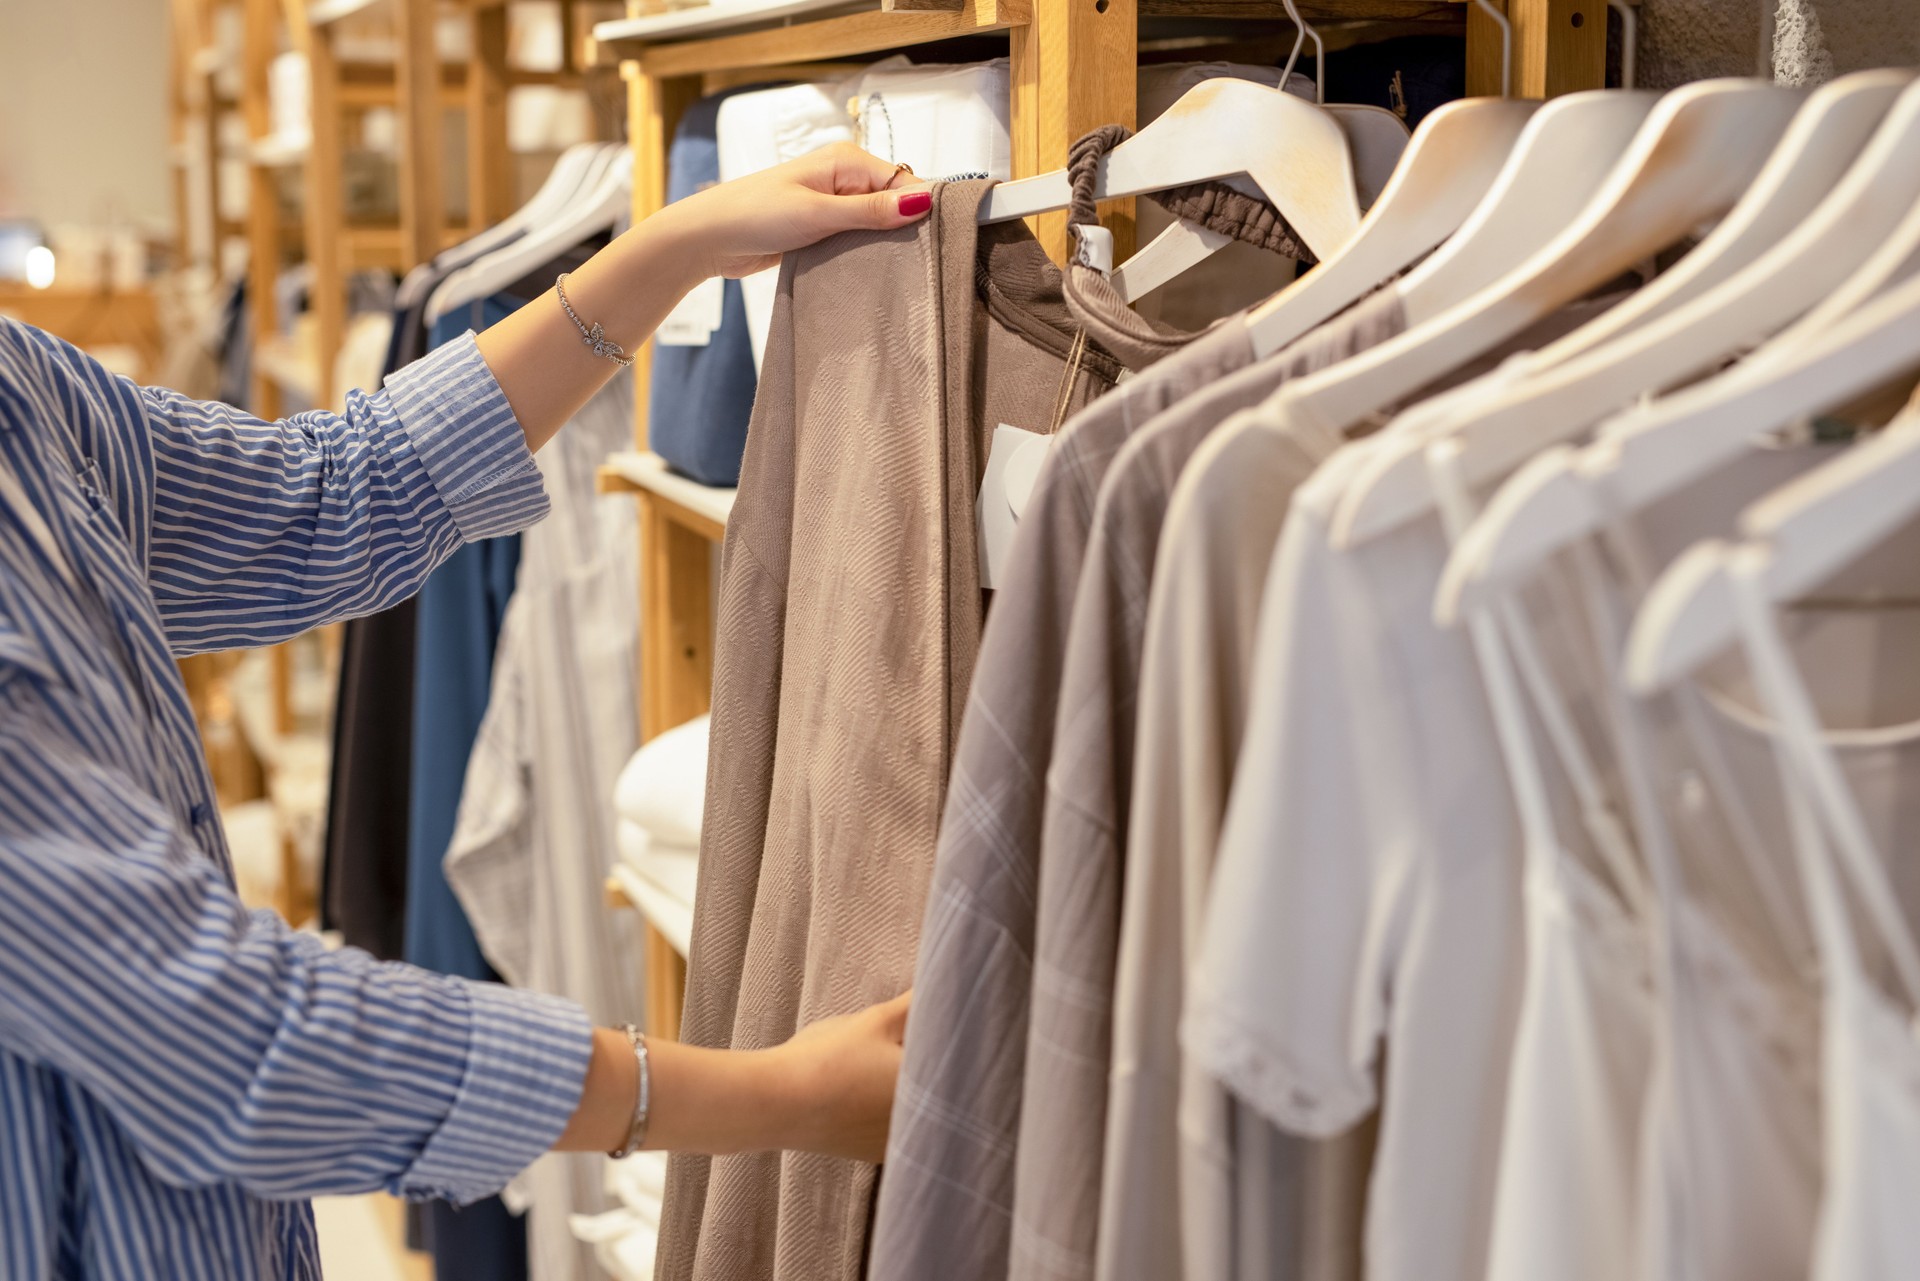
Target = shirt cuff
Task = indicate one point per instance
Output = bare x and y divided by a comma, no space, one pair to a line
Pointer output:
465,434
526,1065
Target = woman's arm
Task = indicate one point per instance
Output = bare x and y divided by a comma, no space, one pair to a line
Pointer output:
250,532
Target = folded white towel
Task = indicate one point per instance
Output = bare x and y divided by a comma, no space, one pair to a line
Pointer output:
663,789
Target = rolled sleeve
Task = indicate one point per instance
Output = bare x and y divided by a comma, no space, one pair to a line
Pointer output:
526,1065
465,435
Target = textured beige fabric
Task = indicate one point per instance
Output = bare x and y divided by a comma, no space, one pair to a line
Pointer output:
1083,833
946,1198
1198,1184
850,614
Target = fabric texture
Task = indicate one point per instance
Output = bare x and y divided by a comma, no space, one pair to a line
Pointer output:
1063,1118
136,525
945,1205
850,615
534,837
1184,1158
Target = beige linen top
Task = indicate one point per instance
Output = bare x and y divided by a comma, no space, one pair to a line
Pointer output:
1083,835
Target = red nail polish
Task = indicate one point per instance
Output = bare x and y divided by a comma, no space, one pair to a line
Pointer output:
915,203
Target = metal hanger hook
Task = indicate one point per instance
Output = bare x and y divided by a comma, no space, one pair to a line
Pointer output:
1303,32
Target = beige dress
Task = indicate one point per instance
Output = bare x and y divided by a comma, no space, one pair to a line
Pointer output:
850,615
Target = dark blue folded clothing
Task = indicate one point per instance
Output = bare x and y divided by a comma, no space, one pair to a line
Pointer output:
701,397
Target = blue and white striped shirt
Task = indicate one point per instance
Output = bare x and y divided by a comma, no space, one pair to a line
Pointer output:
177,1074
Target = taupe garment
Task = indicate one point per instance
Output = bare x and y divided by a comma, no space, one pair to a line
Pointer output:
946,1199
1083,832
1198,1184
849,617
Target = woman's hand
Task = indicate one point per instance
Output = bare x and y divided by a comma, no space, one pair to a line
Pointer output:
730,230
743,226
829,1089
842,1071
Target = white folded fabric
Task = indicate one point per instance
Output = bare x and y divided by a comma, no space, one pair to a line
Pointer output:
663,787
660,879
943,120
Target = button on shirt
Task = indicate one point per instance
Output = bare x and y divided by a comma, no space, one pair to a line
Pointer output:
177,1073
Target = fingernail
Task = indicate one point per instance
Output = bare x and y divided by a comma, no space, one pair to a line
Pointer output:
915,203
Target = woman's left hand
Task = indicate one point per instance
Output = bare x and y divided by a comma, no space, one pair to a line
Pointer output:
743,226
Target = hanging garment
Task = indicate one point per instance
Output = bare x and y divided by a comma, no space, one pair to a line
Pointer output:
946,1202
534,837
701,390
841,662
1366,889
1064,1119
1366,884
1198,1184
1870,1056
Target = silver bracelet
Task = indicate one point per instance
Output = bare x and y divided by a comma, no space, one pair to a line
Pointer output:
595,337
643,1098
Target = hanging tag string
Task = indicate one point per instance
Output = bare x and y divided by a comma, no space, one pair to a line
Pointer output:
1075,355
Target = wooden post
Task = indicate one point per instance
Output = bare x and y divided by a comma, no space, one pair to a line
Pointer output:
423,219
489,164
1559,46
1076,64
263,196
325,212
654,107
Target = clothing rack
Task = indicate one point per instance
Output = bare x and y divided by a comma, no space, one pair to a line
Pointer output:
1073,65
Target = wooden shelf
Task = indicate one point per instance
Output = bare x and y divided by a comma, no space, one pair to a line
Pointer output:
864,31
710,19
648,472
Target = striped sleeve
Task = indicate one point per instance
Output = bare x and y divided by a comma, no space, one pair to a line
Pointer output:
260,531
230,1048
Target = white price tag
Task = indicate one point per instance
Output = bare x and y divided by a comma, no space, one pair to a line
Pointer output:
691,324
1013,466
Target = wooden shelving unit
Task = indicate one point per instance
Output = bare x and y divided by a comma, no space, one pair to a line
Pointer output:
1073,68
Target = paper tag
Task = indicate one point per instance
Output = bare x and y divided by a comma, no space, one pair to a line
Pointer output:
1095,248
691,324
1013,466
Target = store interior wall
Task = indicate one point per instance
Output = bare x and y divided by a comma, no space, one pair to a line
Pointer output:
83,112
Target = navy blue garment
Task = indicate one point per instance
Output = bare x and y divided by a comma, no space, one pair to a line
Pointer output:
702,397
457,616
1408,75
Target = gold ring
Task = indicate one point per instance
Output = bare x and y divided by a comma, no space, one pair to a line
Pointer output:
901,168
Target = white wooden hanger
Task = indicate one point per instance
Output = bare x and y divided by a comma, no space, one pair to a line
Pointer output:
1793,236
1294,151
1813,526
1376,137
1699,148
1560,162
1643,455
1450,164
574,171
600,209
